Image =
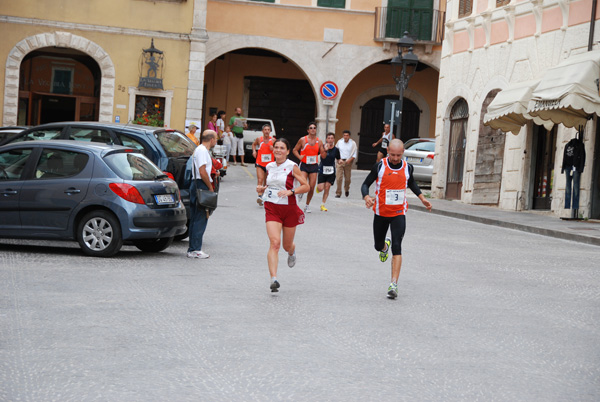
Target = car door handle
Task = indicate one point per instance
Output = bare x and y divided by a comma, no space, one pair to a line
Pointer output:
72,191
9,192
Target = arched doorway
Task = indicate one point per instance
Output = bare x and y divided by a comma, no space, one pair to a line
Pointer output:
459,118
57,84
265,84
490,157
371,127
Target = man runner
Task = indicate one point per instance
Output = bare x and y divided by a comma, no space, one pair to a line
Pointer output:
326,176
262,150
307,150
385,139
392,175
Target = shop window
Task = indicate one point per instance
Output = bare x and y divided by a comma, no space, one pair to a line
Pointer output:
149,107
332,3
149,110
62,80
465,7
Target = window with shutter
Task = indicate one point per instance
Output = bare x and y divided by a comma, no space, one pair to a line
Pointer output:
332,3
464,8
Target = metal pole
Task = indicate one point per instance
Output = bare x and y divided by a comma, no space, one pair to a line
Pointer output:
400,105
326,120
392,118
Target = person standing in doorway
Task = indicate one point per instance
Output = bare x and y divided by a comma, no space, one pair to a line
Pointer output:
262,150
348,150
326,176
385,139
392,176
282,214
307,150
202,167
238,124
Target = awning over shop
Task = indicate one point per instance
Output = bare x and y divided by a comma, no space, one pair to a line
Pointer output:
568,92
508,110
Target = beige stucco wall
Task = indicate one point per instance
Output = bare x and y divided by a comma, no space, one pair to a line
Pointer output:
113,40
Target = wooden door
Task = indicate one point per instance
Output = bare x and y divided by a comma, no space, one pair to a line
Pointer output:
414,16
459,118
371,127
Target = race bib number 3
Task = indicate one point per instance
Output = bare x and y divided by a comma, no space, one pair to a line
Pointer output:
265,158
311,160
394,197
327,169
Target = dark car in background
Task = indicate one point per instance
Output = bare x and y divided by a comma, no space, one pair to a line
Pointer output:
10,131
100,195
169,149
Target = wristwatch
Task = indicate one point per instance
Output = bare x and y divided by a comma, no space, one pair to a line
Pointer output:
293,192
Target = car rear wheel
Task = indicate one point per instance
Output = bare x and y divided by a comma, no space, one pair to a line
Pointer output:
153,245
99,234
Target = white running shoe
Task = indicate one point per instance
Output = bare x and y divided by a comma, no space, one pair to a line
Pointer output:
292,260
307,209
197,254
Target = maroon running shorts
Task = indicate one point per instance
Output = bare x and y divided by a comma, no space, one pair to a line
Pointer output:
288,215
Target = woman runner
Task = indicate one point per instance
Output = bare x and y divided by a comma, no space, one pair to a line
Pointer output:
282,214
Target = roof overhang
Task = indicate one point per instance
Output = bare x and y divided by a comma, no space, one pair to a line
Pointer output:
508,110
568,93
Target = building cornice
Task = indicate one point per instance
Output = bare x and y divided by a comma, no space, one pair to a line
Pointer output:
6,19
296,7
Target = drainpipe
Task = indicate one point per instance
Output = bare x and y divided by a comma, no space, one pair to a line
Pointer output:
592,25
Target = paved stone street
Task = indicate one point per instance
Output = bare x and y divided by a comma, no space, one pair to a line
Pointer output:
484,313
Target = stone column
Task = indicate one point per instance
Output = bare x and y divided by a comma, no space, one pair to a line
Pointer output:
198,38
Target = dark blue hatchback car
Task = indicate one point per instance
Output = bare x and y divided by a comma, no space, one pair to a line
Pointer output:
169,149
100,195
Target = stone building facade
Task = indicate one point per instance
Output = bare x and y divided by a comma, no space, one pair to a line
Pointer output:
492,46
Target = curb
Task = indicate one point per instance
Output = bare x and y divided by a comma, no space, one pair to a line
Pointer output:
511,225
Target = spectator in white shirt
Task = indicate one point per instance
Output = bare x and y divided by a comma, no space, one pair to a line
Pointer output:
348,150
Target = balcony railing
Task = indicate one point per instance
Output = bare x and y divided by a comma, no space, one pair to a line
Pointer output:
424,25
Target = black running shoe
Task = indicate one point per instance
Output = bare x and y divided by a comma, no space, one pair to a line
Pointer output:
275,286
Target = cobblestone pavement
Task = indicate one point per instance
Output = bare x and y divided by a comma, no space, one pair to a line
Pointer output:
484,313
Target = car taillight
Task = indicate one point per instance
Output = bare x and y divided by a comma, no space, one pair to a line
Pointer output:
430,156
170,175
127,192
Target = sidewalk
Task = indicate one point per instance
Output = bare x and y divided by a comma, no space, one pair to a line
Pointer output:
587,232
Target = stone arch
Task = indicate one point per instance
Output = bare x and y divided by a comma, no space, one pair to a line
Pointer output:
60,39
224,44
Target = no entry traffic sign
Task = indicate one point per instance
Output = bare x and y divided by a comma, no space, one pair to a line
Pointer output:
329,90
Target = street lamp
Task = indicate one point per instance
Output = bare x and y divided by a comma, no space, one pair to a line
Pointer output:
404,66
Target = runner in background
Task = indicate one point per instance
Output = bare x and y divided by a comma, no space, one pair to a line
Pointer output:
262,150
326,176
307,150
385,139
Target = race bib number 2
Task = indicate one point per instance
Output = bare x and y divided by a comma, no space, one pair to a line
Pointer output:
394,197
270,194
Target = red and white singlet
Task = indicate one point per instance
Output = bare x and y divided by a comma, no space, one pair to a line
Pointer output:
264,153
390,191
310,153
